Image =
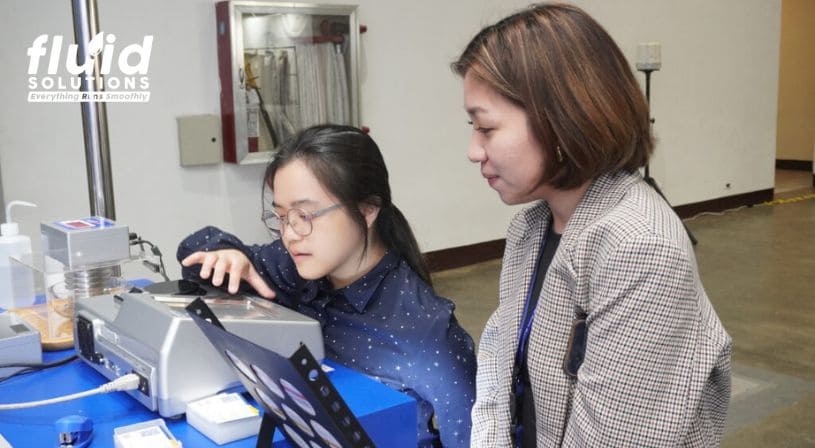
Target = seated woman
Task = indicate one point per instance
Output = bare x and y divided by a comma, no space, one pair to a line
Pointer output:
346,256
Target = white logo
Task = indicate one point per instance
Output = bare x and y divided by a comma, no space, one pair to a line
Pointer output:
130,84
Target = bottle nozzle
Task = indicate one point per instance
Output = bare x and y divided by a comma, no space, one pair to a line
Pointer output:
10,228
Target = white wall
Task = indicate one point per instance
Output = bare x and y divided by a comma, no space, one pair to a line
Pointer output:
714,102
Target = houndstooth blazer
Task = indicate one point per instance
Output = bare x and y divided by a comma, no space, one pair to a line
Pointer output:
657,365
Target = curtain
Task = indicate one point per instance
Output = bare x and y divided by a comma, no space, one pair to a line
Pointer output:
301,86
323,85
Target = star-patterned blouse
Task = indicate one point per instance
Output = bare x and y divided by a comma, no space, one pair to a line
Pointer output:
388,324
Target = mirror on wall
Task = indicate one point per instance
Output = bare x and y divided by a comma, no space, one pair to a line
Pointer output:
283,67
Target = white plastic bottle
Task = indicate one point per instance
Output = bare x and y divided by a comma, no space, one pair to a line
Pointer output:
16,280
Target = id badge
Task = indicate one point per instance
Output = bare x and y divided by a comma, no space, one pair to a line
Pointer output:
576,348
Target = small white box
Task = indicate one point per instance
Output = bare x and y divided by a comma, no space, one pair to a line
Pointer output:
149,434
224,418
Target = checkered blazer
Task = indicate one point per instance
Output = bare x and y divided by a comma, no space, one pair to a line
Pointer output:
657,365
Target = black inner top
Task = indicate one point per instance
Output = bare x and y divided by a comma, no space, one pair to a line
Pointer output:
526,402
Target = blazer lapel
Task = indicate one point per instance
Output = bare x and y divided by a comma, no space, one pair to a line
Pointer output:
524,245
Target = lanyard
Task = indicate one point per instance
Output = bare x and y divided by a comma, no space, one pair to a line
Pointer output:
523,340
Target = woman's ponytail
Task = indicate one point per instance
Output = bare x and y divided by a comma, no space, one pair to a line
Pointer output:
396,234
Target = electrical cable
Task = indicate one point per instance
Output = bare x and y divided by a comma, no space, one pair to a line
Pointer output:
781,201
135,239
721,213
123,383
27,367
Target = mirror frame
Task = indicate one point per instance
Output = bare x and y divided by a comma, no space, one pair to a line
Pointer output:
231,62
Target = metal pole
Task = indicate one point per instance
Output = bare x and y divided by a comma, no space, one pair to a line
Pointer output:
648,179
94,114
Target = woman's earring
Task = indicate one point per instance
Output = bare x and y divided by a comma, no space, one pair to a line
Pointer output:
559,154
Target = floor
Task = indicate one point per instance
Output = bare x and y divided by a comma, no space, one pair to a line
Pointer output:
758,268
792,180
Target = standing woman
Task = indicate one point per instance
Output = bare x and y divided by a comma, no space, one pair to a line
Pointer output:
346,256
603,335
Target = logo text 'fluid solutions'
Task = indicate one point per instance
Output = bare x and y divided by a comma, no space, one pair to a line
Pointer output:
129,84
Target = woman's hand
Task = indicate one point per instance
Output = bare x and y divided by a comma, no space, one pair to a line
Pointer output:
229,261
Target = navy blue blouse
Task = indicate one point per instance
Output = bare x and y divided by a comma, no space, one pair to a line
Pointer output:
388,324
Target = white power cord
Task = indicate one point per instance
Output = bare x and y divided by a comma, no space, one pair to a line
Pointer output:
126,382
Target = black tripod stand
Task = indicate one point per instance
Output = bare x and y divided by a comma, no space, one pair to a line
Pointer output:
648,179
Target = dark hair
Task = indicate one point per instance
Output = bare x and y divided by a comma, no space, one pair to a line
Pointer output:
574,83
347,162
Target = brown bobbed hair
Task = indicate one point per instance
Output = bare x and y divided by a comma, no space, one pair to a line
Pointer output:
574,83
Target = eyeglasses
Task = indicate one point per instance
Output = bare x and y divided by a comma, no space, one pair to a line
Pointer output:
299,220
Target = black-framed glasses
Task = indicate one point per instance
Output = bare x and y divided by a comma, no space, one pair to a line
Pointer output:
299,220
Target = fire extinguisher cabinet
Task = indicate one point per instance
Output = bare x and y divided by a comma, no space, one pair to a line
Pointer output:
284,67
